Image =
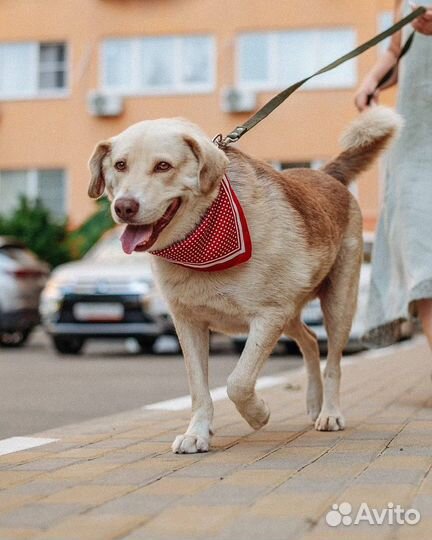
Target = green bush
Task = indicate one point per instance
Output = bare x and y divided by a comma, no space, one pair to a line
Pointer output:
34,225
49,238
86,235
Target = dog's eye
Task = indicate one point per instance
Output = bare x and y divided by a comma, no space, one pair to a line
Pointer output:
162,166
120,165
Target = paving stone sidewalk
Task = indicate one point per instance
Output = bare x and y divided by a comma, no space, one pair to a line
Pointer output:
116,478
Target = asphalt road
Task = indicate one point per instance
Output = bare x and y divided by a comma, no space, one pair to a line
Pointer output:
40,390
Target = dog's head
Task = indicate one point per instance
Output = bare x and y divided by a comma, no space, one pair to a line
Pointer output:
150,171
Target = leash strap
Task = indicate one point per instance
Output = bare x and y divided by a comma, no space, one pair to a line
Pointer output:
270,106
389,74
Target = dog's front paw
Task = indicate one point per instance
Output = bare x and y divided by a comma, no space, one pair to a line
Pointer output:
330,421
190,443
256,414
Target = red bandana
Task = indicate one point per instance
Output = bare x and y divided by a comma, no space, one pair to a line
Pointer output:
220,241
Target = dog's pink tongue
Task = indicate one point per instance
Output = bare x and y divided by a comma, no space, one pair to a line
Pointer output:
133,235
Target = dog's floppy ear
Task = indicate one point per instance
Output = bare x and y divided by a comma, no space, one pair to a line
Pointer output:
212,161
97,182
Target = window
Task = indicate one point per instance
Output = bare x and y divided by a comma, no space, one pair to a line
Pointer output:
274,60
385,20
284,165
46,185
52,66
315,164
158,65
30,69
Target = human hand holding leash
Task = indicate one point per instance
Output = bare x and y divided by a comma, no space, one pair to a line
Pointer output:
368,88
423,24
385,72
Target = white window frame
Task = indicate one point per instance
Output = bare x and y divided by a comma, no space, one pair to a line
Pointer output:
385,19
32,184
272,84
36,92
178,88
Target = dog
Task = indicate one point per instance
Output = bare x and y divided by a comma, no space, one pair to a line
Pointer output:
305,230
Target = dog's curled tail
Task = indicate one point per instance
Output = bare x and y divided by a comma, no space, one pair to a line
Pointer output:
363,141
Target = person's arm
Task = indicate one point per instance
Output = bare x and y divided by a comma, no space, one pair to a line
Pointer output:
385,62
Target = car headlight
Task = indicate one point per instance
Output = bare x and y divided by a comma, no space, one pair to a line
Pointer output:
52,296
52,291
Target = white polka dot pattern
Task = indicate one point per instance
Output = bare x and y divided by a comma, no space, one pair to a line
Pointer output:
220,240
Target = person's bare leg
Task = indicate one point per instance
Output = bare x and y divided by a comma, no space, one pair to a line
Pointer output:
424,310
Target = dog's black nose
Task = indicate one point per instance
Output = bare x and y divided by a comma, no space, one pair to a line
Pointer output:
126,208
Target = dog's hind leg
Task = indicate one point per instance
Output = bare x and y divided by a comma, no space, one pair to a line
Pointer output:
338,301
194,340
308,344
264,332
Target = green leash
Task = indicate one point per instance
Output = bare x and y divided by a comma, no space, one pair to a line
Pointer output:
274,103
387,76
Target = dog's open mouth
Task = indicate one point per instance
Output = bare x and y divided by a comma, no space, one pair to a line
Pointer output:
142,237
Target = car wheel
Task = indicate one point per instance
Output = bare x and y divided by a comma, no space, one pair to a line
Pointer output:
239,344
14,339
68,345
292,348
146,343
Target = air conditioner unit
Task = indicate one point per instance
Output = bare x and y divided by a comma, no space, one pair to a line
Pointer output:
234,100
100,104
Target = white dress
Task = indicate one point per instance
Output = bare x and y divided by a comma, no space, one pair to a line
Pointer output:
402,256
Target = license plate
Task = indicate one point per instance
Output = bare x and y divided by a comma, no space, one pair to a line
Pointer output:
86,311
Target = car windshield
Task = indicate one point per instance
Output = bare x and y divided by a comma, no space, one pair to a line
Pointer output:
109,249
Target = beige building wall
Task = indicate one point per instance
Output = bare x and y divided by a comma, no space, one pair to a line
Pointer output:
47,133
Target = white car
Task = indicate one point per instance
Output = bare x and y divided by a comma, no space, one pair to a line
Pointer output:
22,277
313,316
107,294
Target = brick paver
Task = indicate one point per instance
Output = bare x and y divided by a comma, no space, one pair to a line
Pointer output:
116,478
